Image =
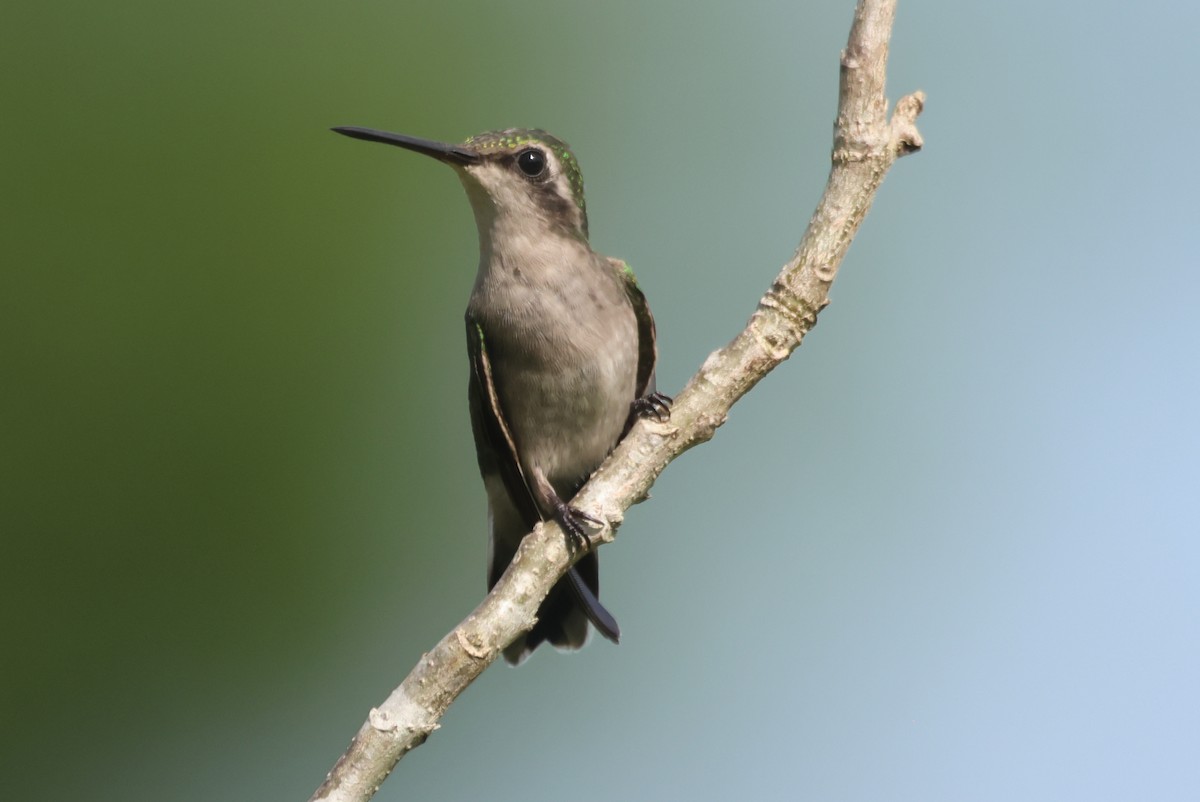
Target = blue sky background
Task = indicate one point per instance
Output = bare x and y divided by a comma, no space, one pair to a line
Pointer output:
947,552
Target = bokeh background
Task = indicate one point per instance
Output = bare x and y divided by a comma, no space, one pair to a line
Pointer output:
947,552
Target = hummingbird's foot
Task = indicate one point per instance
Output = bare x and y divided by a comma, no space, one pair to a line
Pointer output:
572,520
655,405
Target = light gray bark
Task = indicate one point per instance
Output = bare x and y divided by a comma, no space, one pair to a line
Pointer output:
866,143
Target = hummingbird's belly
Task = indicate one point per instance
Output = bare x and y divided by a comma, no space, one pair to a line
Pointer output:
578,411
564,349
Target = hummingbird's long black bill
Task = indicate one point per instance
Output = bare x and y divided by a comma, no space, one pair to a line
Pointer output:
442,151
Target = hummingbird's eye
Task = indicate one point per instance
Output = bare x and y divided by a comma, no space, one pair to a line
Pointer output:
532,162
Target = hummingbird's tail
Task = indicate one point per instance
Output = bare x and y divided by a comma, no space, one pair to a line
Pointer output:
564,615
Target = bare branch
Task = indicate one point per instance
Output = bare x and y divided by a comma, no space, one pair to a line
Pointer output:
866,143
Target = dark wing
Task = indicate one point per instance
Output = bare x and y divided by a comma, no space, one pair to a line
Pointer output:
494,441
647,345
497,451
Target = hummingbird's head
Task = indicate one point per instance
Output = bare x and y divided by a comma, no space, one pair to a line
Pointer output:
522,175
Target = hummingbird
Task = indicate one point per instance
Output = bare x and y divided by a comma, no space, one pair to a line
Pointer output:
562,357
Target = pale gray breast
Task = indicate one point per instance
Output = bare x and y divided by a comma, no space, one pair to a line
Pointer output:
569,368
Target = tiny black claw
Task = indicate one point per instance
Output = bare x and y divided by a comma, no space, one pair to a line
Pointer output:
655,405
571,518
